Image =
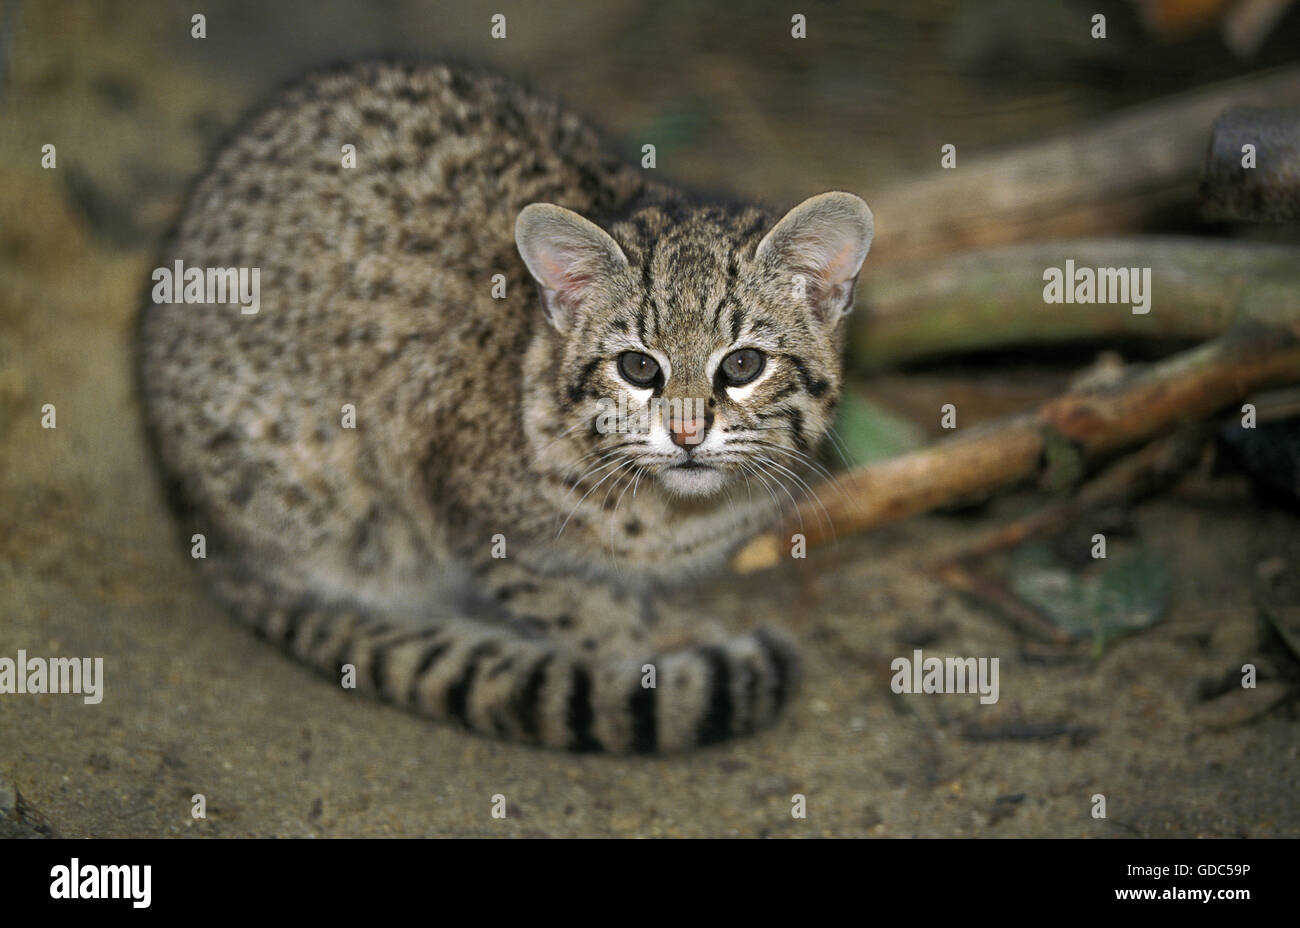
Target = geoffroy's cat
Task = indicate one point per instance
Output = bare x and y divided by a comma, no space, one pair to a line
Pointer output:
457,477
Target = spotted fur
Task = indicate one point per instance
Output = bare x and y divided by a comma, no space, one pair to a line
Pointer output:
476,417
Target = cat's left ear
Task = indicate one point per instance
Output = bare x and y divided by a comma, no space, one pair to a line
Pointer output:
821,244
567,255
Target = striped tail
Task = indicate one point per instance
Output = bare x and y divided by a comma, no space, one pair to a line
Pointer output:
497,683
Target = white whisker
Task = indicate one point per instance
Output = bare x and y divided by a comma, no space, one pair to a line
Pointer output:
620,466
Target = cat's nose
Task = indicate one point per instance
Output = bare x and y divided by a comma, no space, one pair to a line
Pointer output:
687,433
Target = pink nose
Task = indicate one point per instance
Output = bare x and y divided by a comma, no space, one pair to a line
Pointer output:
686,432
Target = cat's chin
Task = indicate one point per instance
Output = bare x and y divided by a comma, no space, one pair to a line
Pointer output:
692,482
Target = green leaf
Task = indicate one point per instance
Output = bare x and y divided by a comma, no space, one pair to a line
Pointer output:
1116,596
869,433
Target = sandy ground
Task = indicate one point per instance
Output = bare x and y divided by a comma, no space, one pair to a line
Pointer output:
89,565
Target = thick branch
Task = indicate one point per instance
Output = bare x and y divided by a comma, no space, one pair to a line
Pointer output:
1095,423
1105,179
992,299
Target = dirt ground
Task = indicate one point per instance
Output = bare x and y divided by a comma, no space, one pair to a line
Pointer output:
89,563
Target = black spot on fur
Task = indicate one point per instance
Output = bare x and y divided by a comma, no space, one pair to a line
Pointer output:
458,692
527,702
782,670
293,619
645,723
578,389
579,714
428,660
378,661
816,387
716,724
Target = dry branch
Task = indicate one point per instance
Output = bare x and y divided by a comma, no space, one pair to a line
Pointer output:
1144,472
1094,423
1105,179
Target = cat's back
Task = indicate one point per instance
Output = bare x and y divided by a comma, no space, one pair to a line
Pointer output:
395,184
376,202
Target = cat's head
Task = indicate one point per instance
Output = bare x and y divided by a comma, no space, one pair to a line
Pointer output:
696,346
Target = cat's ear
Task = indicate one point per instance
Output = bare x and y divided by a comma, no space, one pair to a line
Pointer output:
821,245
566,255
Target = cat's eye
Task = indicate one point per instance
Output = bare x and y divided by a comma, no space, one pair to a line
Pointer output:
638,368
741,367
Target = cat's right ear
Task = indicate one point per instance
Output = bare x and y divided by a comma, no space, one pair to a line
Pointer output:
566,255
824,241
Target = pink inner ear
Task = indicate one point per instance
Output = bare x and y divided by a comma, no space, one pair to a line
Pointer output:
838,261
827,259
565,273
